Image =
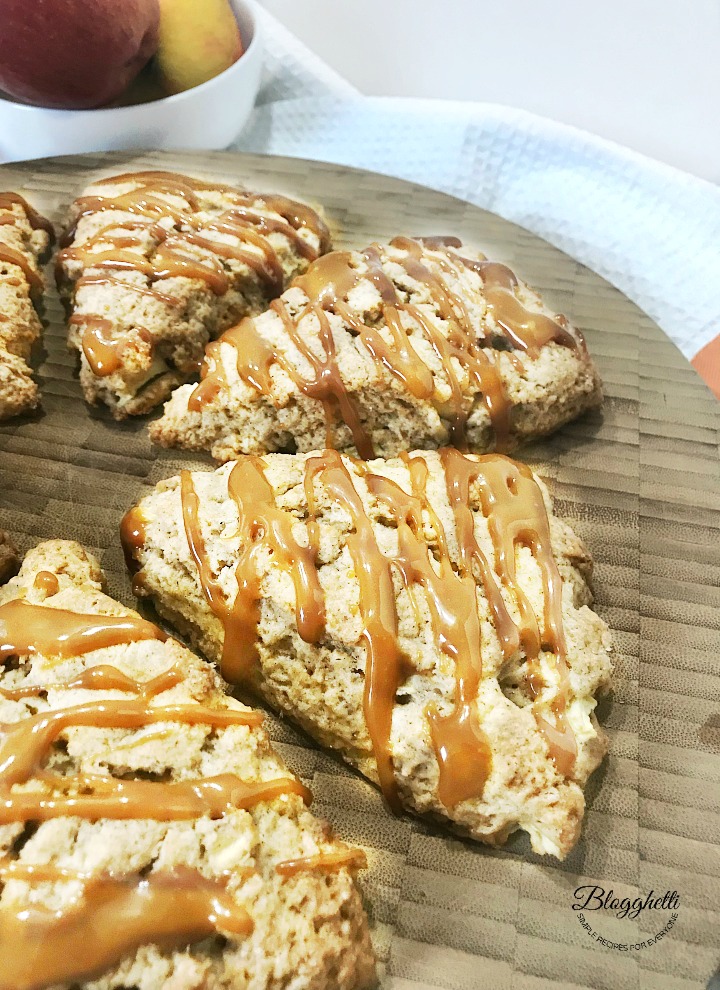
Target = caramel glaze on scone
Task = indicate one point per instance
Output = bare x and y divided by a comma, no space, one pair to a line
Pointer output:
149,835
427,616
156,264
410,345
24,238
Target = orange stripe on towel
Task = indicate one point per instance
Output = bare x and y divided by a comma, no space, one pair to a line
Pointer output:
707,364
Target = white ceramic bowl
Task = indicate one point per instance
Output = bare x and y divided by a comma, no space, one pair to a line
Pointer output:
207,116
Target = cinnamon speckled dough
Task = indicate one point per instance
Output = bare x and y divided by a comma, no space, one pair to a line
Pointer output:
321,686
162,343
20,325
310,930
544,391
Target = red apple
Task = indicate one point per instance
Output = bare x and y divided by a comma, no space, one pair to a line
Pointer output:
74,54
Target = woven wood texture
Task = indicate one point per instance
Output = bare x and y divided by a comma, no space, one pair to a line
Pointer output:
640,483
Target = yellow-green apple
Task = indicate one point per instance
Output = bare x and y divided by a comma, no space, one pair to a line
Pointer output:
199,39
74,53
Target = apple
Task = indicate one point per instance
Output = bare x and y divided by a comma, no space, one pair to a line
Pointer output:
199,39
74,54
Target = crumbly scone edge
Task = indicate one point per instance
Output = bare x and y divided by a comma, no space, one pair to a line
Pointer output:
321,687
311,930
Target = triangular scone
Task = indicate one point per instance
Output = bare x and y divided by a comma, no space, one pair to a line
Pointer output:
24,238
411,345
156,264
427,616
149,835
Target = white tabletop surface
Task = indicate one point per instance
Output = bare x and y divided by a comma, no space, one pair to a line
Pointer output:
644,73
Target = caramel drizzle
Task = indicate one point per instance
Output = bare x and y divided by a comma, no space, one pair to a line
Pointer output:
128,286
527,330
184,251
28,629
132,540
46,582
91,796
149,203
35,219
237,651
101,349
513,505
39,947
104,677
214,380
255,357
516,514
460,472
141,909
462,345
115,916
327,384
11,256
27,740
267,266
37,872
328,284
377,606
329,862
261,525
462,749
25,743
243,218
399,357
31,629
297,215
171,260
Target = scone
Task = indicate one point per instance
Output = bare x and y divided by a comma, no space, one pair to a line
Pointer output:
157,264
427,616
24,238
411,345
149,835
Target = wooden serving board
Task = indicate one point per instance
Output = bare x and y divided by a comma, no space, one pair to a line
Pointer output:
640,483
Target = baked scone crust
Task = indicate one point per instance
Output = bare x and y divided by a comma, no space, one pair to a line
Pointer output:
24,239
410,345
156,264
310,930
321,683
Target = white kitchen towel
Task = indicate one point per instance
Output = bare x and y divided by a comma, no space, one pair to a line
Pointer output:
292,71
653,231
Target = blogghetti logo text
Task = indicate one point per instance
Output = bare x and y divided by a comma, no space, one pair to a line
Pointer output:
599,902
